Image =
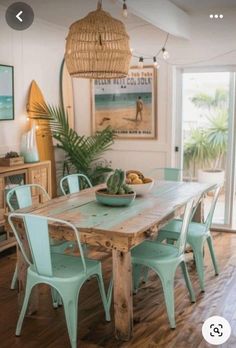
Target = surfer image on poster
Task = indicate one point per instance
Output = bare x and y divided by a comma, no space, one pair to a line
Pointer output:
139,108
127,105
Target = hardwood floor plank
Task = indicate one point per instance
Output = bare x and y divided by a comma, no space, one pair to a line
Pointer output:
47,327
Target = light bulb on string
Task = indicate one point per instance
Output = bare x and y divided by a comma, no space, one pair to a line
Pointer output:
165,54
155,63
140,63
125,9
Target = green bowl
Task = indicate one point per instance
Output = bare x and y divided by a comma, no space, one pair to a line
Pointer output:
114,200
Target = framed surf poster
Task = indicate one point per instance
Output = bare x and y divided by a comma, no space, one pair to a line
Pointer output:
6,92
128,105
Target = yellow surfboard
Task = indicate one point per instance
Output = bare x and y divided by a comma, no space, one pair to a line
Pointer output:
43,132
67,95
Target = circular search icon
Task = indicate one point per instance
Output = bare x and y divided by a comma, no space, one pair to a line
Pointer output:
216,330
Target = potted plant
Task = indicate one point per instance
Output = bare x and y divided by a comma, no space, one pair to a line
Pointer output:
82,154
204,151
117,192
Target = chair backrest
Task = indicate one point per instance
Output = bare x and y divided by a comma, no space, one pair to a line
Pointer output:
168,174
172,174
23,196
37,233
208,220
184,228
73,183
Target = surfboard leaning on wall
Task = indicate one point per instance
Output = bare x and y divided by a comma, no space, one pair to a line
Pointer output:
43,132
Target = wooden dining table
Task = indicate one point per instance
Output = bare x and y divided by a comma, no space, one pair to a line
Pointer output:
118,229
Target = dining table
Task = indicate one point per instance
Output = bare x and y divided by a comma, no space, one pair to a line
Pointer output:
118,229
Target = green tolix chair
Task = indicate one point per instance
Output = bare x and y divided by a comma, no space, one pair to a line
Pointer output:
20,197
164,259
63,272
198,234
168,174
72,183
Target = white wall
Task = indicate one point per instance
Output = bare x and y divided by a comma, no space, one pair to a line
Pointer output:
208,39
36,54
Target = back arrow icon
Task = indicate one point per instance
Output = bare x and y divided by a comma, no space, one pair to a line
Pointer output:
18,16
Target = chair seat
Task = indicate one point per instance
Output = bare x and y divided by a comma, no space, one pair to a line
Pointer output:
155,252
195,229
68,266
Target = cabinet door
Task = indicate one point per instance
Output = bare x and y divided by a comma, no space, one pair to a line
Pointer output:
40,175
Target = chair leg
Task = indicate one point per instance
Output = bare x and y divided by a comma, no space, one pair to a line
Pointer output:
14,279
198,255
28,289
56,298
70,303
167,281
213,256
109,293
105,301
188,281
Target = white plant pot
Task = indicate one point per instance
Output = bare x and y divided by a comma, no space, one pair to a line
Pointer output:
211,176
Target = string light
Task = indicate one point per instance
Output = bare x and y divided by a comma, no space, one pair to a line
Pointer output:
165,54
140,63
125,9
155,63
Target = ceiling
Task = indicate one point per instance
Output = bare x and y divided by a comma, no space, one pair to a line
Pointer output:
192,6
64,12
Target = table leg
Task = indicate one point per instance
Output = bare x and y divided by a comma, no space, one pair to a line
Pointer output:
123,297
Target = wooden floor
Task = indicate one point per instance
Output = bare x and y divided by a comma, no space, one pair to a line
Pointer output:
47,328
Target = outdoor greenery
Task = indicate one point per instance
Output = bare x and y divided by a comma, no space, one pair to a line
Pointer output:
83,154
206,147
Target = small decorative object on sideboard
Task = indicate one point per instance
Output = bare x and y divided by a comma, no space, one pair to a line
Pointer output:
138,183
117,192
11,159
29,146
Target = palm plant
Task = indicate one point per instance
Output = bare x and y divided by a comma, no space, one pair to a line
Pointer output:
196,149
217,136
205,101
207,146
82,153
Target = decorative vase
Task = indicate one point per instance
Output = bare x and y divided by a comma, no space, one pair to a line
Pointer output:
28,146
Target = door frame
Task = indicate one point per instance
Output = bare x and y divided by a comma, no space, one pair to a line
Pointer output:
177,118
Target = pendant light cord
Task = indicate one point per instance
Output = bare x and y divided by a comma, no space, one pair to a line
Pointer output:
99,6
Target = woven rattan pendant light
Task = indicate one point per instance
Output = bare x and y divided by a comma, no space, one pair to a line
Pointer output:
97,47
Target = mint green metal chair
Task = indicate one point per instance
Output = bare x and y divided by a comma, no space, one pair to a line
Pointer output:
65,273
169,174
73,184
198,234
164,259
20,197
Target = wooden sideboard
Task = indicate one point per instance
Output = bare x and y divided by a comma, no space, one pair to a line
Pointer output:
27,173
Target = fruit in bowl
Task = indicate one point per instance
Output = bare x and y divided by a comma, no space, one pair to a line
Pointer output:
117,193
138,182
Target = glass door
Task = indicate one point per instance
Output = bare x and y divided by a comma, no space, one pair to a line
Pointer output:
207,135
